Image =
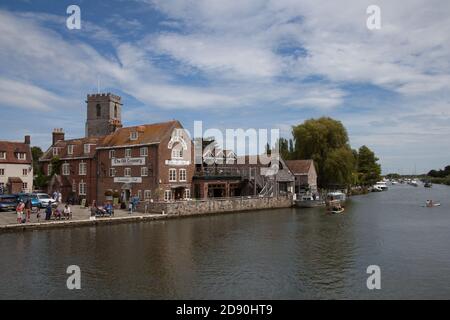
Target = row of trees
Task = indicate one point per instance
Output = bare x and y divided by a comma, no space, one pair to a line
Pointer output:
325,140
440,173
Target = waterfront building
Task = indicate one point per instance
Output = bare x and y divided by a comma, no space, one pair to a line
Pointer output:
305,175
149,162
16,170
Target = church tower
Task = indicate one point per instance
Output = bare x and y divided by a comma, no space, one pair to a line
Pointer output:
103,114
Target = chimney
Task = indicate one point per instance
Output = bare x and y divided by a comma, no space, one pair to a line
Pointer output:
27,140
57,135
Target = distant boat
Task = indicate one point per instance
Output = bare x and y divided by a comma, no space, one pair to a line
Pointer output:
336,195
431,204
308,201
376,188
414,183
428,184
381,185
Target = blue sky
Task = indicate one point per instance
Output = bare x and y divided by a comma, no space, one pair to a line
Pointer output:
236,64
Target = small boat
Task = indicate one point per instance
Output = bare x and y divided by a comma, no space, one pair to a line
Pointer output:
381,185
414,183
336,195
431,204
337,211
427,185
308,201
376,188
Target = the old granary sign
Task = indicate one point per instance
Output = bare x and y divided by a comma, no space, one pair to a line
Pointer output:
128,161
127,180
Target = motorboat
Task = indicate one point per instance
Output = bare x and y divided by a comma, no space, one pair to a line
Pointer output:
376,188
414,183
381,185
336,195
335,207
309,201
428,184
431,204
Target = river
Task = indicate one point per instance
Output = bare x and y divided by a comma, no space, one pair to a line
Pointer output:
273,254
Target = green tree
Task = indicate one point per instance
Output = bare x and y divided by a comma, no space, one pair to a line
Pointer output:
369,171
36,153
325,140
56,165
283,148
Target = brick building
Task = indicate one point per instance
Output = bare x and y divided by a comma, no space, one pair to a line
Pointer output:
16,170
151,161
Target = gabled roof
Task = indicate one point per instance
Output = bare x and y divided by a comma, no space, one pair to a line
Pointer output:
299,166
11,148
147,134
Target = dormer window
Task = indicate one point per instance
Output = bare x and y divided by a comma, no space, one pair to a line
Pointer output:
70,149
21,156
55,151
133,135
87,148
2,155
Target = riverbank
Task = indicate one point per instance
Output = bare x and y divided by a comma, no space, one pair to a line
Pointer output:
155,211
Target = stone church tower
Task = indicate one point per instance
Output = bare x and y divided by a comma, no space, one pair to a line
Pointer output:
103,114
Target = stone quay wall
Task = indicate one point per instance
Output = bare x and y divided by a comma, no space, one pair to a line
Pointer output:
222,205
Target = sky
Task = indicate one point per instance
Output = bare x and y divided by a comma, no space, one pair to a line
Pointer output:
235,64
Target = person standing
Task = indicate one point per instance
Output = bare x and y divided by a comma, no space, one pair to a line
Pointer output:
19,210
67,212
59,197
48,212
28,207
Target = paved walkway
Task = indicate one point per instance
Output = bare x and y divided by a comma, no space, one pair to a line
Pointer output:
8,218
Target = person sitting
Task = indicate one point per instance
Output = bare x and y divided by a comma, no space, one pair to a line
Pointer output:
109,209
67,212
57,214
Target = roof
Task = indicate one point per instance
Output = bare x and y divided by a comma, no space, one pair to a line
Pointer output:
78,149
147,134
299,166
14,180
11,148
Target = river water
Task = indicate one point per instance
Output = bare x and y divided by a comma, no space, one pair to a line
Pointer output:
273,254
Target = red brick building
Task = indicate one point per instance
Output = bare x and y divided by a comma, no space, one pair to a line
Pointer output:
152,161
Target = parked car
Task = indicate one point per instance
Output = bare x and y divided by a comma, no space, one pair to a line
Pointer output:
45,200
8,202
34,199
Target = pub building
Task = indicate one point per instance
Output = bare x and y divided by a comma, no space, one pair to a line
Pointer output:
151,161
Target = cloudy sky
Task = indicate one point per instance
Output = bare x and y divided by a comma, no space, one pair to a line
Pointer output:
236,64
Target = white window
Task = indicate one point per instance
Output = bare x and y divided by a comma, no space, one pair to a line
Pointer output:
127,172
112,154
55,151
172,175
133,135
66,169
82,188
127,153
167,195
2,155
87,148
144,152
82,169
177,153
187,193
25,186
147,194
21,156
74,186
139,194
182,174
144,171
2,172
70,149
49,169
112,172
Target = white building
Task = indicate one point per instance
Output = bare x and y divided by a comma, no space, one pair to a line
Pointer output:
16,169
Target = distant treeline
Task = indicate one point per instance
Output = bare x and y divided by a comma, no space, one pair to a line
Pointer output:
440,176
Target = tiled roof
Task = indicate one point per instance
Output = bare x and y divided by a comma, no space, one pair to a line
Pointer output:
147,134
78,148
299,166
12,148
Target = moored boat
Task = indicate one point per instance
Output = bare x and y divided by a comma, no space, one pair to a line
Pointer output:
308,201
427,184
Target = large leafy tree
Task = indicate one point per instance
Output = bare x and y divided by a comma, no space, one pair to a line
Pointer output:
325,140
369,171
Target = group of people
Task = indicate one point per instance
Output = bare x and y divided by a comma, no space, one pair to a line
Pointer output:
106,209
24,210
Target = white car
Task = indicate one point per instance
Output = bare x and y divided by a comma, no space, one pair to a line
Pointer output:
45,200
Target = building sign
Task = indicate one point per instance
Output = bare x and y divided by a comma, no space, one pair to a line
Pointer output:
128,161
128,180
177,162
